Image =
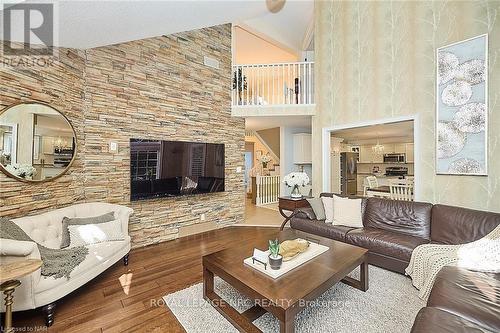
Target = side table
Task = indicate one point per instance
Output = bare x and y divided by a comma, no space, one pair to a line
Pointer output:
9,277
290,204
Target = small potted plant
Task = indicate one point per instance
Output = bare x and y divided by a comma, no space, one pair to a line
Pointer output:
239,84
275,258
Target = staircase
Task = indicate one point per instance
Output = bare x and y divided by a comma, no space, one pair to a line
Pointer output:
254,136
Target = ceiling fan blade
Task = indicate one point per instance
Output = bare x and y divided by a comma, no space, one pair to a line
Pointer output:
275,6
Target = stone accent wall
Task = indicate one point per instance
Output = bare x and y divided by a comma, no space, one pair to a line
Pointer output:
156,88
61,86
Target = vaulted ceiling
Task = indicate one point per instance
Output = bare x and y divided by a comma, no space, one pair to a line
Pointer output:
89,24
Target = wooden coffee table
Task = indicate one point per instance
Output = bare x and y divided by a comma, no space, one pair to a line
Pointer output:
286,296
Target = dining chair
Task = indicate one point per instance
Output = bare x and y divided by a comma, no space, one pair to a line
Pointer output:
370,182
403,192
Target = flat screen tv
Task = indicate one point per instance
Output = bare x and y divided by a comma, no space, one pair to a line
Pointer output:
174,168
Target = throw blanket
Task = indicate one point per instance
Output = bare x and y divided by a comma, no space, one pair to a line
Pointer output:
55,262
428,259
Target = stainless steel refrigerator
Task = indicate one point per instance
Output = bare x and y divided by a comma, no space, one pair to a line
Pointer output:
349,173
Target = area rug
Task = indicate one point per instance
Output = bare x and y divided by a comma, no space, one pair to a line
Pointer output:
390,305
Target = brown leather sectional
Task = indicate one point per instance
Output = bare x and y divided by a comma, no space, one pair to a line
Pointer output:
461,300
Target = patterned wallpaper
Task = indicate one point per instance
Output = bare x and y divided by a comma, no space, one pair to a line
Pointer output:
376,60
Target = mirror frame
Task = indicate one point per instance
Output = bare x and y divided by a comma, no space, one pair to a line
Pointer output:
65,171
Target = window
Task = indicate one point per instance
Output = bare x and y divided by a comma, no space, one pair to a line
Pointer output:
144,165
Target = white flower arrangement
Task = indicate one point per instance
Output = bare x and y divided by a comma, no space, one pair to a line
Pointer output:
296,179
26,171
265,158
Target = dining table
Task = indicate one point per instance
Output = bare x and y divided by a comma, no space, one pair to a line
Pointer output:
380,191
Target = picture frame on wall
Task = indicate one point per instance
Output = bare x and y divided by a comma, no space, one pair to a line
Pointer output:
462,108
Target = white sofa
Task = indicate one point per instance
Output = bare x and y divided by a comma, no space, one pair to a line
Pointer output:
38,291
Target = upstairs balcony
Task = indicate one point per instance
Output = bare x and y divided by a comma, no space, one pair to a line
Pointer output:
284,89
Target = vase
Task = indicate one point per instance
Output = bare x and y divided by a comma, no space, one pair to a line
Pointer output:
295,192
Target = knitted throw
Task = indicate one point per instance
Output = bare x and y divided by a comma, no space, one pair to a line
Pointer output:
428,259
55,262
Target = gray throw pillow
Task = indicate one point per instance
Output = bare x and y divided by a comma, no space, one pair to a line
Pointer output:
65,238
317,207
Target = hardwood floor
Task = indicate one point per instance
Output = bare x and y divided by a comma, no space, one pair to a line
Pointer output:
258,216
124,299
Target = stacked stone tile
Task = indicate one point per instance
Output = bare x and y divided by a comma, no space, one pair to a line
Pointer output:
156,88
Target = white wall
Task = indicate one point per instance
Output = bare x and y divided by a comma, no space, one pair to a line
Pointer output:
251,49
286,154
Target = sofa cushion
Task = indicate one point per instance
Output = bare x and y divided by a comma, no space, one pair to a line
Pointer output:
328,208
455,225
318,208
83,235
472,295
385,242
66,222
406,217
304,213
347,212
439,321
320,228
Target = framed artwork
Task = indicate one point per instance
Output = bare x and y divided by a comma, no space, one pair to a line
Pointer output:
462,108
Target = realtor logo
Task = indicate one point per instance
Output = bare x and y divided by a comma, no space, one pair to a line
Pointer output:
28,29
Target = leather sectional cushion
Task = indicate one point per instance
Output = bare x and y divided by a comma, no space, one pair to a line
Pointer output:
305,213
439,321
407,217
474,296
456,225
389,243
320,228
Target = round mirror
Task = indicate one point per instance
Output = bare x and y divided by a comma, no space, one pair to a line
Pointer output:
37,142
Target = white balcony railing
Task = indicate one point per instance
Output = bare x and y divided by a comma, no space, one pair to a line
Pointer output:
273,84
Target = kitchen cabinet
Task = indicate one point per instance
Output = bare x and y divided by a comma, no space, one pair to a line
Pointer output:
365,154
377,158
302,146
47,145
410,153
400,148
389,148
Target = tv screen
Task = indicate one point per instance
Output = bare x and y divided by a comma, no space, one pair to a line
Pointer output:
174,168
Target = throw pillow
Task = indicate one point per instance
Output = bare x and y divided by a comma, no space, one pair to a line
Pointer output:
317,207
347,212
328,207
65,240
87,234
